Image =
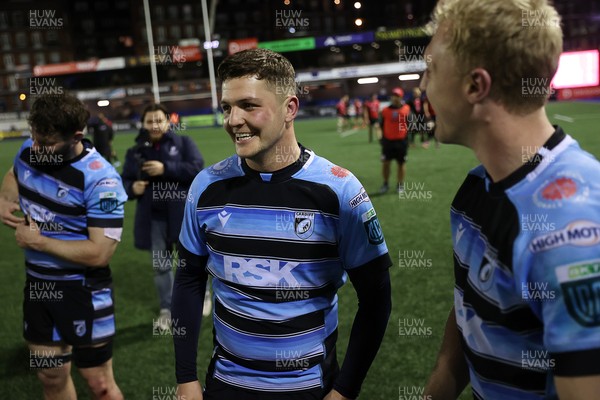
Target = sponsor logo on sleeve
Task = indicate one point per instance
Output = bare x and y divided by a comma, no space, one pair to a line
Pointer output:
577,233
372,227
94,165
221,167
109,182
304,224
569,187
339,172
580,286
108,201
361,197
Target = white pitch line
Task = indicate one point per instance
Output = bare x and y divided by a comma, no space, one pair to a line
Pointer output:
348,133
563,118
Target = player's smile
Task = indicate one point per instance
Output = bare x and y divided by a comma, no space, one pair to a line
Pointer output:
241,137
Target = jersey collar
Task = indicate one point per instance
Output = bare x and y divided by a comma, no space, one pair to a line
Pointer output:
499,187
280,175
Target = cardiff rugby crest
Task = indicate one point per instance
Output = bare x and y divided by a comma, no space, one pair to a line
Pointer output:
304,224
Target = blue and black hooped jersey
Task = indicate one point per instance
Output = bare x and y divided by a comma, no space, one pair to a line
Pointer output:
527,269
65,198
278,245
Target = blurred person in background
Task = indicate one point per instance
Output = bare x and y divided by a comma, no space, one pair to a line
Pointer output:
417,116
72,199
343,116
157,173
430,122
359,121
102,133
371,112
394,140
525,223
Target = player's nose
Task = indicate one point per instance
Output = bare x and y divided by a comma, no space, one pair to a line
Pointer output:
236,116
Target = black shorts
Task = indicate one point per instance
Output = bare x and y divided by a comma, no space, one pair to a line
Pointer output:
394,150
77,313
373,121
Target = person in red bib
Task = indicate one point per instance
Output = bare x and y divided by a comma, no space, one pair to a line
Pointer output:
342,113
394,141
371,112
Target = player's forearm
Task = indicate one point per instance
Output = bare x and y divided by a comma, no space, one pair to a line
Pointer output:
186,311
9,189
368,329
82,252
450,374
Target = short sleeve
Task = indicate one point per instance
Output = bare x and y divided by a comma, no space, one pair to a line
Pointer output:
360,235
27,143
105,199
191,235
564,285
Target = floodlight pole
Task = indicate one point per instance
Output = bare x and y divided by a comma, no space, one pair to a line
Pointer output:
209,56
151,53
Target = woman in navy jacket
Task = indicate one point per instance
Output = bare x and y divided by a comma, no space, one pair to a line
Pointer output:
158,172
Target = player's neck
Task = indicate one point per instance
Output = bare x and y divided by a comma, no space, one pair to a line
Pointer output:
282,154
505,143
76,151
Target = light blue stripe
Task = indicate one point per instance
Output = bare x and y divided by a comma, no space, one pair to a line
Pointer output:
103,327
102,299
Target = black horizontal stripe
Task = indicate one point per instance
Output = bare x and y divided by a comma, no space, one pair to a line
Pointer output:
266,248
58,208
93,276
104,222
519,319
65,172
577,363
506,374
303,363
293,194
54,271
293,326
282,294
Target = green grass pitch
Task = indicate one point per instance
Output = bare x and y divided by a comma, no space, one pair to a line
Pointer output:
414,228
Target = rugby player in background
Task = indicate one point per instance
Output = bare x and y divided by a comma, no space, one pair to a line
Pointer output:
525,322
72,199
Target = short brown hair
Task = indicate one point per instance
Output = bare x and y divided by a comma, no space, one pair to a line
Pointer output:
516,50
275,69
61,114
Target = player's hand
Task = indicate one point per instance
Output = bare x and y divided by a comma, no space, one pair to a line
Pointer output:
139,187
189,391
335,395
7,209
153,168
28,235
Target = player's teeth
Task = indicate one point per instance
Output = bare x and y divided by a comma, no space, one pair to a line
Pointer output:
243,136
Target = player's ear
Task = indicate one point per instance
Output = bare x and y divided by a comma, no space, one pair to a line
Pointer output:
292,105
479,84
77,136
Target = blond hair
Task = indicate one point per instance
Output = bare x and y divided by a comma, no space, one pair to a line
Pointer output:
518,42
